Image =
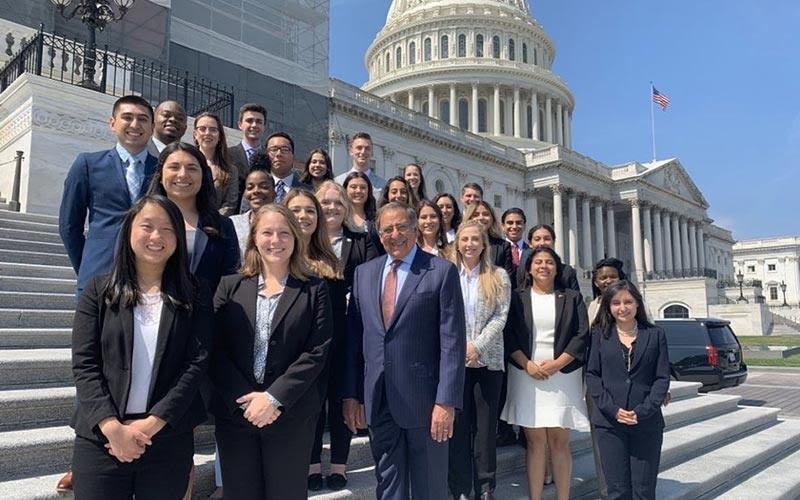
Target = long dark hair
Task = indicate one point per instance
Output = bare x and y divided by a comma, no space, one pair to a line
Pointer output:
177,283
536,251
456,211
220,150
206,198
441,237
604,318
412,196
370,206
420,192
608,262
306,177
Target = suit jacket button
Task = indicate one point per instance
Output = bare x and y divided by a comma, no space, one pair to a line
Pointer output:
627,381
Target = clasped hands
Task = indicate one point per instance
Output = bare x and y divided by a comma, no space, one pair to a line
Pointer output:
127,440
258,409
543,370
627,417
442,419
472,356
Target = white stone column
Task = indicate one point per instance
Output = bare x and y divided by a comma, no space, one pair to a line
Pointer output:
701,248
685,256
559,124
658,241
534,115
667,220
558,220
677,256
611,231
567,131
648,239
411,100
572,208
517,114
548,119
636,235
693,246
473,127
432,111
496,111
586,235
453,106
598,230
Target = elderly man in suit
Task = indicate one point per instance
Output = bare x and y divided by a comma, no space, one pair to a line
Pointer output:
405,352
170,125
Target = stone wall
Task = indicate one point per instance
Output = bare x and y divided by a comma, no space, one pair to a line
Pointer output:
746,319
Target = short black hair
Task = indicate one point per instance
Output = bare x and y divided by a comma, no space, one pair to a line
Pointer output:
135,100
472,185
281,134
514,210
361,135
254,108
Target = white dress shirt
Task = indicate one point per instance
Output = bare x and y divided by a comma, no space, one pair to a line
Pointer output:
146,320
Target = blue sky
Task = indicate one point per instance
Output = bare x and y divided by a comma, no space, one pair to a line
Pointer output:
730,67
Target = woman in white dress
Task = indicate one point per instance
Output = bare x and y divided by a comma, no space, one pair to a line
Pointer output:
546,337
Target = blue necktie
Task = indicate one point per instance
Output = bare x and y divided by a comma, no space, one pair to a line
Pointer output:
280,192
133,176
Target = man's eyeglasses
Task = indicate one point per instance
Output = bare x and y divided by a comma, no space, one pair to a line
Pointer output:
279,149
400,228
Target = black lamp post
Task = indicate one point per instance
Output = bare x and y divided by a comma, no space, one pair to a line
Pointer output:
740,279
95,14
783,289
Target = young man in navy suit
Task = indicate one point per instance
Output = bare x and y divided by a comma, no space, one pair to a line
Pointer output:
104,185
404,359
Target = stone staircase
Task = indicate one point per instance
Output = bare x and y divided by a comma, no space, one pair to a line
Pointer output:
713,447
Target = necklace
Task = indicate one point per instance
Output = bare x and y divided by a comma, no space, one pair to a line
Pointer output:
628,333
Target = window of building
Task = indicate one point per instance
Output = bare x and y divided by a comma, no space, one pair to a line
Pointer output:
751,269
412,53
425,108
773,293
439,185
541,128
676,311
444,47
481,115
496,47
463,114
770,267
529,116
426,50
388,63
398,58
525,53
444,110
462,45
535,56
478,45
512,56
498,201
502,117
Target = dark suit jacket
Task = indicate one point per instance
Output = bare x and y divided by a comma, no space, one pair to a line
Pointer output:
567,281
571,333
642,390
297,352
419,359
501,254
297,184
95,184
102,349
357,248
238,157
215,256
152,148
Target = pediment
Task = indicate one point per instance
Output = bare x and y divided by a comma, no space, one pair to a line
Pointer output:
671,176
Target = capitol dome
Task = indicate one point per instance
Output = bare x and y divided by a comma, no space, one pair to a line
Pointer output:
480,65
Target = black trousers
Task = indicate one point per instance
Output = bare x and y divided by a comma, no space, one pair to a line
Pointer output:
630,458
473,452
162,473
340,434
265,464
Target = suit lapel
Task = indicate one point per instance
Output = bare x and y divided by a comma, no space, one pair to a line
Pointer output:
164,330
347,247
119,171
126,322
640,347
200,242
290,293
378,295
527,307
150,165
414,276
561,301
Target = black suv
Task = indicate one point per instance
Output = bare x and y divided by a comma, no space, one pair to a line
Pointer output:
704,350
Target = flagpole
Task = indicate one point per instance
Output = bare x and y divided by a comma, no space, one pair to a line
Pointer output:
653,120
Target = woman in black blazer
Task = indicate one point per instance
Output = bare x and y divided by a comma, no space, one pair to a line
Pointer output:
628,378
183,176
139,351
545,235
545,341
271,341
500,247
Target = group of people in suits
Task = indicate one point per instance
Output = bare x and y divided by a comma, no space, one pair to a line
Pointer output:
220,280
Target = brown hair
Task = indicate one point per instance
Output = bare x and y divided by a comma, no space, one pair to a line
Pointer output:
298,267
319,253
220,150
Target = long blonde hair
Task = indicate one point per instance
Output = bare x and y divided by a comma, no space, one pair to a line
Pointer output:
490,285
348,205
493,230
298,267
318,253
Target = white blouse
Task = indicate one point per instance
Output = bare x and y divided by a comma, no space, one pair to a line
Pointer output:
146,320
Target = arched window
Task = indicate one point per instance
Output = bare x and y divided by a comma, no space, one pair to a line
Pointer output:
481,115
444,110
529,116
388,63
478,45
412,53
425,108
512,56
502,118
463,114
535,56
462,45
426,48
444,47
496,47
398,58
676,311
439,185
541,126
525,53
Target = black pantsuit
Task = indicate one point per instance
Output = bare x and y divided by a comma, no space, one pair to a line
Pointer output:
474,434
630,459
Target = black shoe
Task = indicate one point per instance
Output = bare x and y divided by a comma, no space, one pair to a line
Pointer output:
487,495
314,482
336,482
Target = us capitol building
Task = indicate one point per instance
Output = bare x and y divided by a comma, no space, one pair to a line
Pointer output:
465,88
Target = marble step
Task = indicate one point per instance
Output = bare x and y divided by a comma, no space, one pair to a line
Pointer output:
12,215
36,318
32,246
32,408
16,269
35,368
41,258
29,235
40,285
12,222
32,338
38,300
780,478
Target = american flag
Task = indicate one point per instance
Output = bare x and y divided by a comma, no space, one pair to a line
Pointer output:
660,99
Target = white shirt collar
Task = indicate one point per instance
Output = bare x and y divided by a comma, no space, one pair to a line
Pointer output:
159,145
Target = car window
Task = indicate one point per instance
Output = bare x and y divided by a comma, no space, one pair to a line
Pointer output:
721,335
684,333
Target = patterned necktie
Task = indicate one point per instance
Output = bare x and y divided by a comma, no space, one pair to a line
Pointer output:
390,293
133,177
280,192
514,254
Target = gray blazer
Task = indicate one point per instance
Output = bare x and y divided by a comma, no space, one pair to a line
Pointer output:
486,334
